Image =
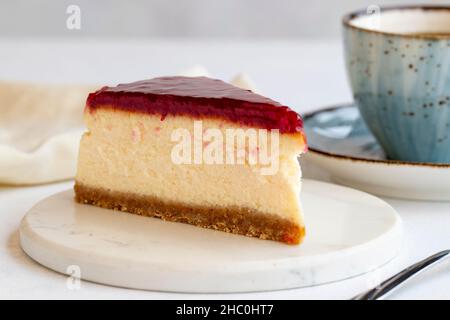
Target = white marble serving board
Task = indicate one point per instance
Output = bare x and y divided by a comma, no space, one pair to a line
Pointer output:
348,233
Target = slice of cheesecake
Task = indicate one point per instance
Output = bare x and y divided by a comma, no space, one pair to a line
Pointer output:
194,150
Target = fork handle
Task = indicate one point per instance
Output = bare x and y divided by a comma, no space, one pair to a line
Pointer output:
400,278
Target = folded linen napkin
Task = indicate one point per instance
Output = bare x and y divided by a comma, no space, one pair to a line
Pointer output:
41,126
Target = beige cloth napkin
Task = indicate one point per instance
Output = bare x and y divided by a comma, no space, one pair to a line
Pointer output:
41,126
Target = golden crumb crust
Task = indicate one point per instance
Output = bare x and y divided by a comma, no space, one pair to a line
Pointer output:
237,220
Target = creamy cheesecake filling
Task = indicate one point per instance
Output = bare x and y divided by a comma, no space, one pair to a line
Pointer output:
130,153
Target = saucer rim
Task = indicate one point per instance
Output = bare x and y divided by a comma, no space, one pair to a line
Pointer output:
358,159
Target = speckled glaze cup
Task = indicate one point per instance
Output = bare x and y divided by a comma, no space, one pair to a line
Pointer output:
398,61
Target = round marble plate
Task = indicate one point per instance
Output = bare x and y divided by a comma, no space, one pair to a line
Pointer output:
348,233
341,144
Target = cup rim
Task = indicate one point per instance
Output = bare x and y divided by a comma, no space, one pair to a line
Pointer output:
347,19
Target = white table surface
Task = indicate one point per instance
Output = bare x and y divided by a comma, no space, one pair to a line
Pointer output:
305,75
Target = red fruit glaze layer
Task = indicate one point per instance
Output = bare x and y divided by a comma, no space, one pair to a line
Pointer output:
197,97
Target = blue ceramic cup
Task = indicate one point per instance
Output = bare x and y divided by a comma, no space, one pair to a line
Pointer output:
398,61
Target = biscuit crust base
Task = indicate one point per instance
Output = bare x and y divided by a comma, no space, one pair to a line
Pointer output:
236,220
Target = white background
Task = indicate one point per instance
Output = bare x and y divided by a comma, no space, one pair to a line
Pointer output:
184,18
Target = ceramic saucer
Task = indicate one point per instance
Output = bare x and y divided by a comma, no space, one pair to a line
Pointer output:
341,145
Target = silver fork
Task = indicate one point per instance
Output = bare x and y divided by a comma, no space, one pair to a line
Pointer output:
400,278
